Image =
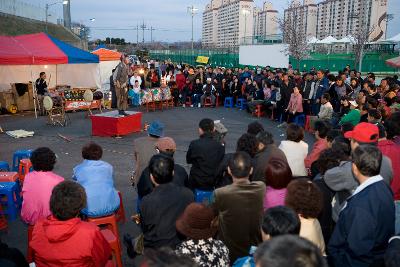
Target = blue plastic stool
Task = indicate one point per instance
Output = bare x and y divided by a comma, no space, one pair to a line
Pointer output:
4,166
18,155
11,190
241,103
200,196
300,120
228,103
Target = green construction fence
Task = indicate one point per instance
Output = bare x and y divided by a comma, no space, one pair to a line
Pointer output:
372,61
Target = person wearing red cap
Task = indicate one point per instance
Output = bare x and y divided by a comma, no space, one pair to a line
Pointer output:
341,179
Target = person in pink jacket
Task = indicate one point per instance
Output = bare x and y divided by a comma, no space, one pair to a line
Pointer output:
295,106
38,185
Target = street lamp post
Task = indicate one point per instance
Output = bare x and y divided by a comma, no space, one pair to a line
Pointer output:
65,2
388,18
245,12
192,11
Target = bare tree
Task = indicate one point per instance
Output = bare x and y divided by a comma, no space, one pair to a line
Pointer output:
294,33
361,34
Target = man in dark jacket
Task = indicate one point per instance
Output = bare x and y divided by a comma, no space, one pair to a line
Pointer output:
286,89
266,148
165,146
161,208
204,154
320,88
366,223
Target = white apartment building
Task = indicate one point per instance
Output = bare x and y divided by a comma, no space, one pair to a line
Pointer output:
210,23
340,18
228,23
265,20
303,16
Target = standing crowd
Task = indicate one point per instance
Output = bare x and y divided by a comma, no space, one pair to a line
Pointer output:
266,204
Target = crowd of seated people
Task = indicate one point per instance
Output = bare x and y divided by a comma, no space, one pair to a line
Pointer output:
331,202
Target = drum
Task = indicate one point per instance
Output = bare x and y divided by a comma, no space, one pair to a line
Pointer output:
88,95
98,95
157,96
146,96
47,103
166,93
57,101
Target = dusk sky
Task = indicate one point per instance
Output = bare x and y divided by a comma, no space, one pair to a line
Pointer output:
169,18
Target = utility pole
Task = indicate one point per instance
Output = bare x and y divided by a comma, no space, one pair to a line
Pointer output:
143,27
151,34
47,14
192,11
137,34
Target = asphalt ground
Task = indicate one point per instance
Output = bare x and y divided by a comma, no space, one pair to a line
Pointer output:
180,124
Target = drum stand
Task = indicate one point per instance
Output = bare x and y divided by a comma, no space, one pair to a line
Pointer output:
57,116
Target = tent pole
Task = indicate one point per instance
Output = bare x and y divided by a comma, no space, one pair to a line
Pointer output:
34,93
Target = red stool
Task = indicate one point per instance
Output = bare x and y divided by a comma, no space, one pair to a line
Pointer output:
208,101
29,254
307,125
120,214
3,220
114,244
150,105
109,222
217,101
258,111
188,101
8,176
24,167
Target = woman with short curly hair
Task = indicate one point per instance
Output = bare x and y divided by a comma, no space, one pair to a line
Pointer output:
37,187
305,198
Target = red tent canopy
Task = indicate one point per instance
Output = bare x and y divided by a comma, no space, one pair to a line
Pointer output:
107,54
30,49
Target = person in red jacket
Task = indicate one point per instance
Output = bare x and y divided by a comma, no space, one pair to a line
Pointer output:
321,131
63,239
180,80
392,150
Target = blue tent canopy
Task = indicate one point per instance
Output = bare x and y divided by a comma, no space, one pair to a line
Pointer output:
74,54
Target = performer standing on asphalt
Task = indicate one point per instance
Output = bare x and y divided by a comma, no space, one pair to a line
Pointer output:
120,78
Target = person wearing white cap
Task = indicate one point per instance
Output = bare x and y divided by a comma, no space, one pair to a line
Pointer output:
353,116
208,90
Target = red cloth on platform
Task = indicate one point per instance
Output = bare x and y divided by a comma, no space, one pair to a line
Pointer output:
103,125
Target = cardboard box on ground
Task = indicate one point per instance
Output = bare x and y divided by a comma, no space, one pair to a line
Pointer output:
25,101
6,99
